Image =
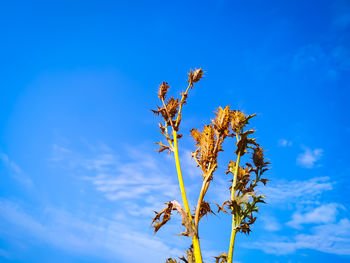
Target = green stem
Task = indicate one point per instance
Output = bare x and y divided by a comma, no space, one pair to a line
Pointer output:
195,239
181,103
232,241
200,199
234,223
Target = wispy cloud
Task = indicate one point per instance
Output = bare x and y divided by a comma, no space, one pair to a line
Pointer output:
330,238
324,232
190,166
284,143
137,179
270,223
309,157
135,182
301,191
329,60
15,171
86,234
323,214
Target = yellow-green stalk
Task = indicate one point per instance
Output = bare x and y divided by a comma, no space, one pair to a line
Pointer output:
195,239
234,223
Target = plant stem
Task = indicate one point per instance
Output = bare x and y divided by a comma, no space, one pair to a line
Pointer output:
195,239
234,223
181,103
232,241
205,186
200,199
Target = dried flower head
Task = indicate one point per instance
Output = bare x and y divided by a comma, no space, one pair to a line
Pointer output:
172,107
222,121
205,152
195,76
163,89
237,120
258,156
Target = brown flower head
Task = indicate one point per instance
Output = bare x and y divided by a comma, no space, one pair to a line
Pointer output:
172,107
205,152
258,156
163,89
237,120
195,76
222,121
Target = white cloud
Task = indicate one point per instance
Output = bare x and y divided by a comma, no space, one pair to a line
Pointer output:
284,143
330,61
15,171
270,223
136,179
324,233
85,234
307,191
137,182
323,214
189,165
309,157
330,238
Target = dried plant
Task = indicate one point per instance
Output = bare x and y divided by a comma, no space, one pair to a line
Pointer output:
244,200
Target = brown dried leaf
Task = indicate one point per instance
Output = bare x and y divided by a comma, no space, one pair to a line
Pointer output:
170,260
263,180
204,209
163,147
223,258
244,142
162,217
190,231
221,208
189,255
162,112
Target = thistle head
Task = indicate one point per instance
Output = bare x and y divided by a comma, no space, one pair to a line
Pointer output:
195,76
237,120
222,121
258,156
163,89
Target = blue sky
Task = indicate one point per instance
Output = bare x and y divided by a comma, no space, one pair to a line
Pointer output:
80,177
